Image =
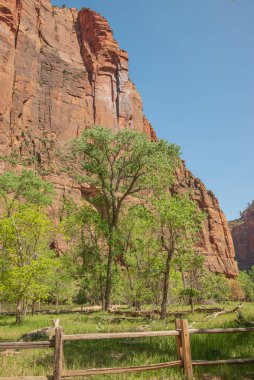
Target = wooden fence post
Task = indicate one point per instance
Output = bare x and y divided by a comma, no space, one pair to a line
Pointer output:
179,340
58,357
186,349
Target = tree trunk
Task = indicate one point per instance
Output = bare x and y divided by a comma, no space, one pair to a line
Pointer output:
184,280
102,290
191,303
57,305
137,305
24,308
33,306
18,312
165,290
109,278
103,301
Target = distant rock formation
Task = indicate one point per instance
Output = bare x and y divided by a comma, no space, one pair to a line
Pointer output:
242,230
61,71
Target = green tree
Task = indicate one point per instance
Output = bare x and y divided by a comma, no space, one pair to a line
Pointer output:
140,257
84,227
62,284
121,165
25,258
191,265
17,189
25,231
216,287
179,221
251,273
246,281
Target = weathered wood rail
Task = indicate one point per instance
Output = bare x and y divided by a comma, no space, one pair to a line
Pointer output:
181,333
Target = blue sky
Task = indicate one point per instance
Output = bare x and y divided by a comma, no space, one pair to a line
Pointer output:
193,63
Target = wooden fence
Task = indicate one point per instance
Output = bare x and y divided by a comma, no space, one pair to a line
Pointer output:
181,333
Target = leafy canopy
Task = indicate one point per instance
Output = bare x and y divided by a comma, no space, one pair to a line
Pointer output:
179,221
16,189
123,164
142,262
25,257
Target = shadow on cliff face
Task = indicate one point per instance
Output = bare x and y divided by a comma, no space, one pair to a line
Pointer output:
86,57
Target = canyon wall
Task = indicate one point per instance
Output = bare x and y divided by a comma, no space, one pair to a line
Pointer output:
242,230
61,71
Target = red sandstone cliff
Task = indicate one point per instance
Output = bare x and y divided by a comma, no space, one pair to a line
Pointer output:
242,231
60,71
216,241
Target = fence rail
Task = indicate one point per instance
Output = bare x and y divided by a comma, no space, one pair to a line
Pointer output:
101,336
181,333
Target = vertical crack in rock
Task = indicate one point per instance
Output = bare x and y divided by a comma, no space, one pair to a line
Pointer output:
37,9
118,90
19,9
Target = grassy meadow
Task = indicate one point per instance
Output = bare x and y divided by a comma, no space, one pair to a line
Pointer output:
123,352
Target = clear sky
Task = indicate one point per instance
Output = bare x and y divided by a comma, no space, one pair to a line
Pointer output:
193,63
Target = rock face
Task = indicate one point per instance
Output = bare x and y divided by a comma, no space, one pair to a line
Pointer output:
242,231
61,71
215,238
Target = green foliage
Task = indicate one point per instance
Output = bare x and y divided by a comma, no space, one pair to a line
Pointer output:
61,286
25,259
135,250
216,287
191,264
17,189
192,293
120,165
123,164
140,257
85,229
25,233
113,243
179,221
246,281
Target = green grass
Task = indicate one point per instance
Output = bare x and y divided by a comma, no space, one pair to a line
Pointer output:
124,352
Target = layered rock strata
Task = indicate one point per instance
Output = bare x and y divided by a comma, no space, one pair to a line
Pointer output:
61,71
215,238
242,230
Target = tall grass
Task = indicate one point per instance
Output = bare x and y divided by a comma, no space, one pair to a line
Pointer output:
124,352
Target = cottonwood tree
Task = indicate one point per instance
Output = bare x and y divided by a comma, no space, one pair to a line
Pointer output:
191,265
140,259
17,189
24,237
179,221
62,284
121,165
25,259
199,283
84,228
